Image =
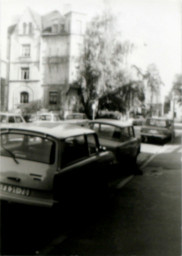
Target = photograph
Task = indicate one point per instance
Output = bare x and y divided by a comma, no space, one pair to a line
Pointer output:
99,81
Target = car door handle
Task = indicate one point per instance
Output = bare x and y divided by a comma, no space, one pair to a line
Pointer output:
14,179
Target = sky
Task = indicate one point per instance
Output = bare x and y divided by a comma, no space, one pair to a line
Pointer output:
154,26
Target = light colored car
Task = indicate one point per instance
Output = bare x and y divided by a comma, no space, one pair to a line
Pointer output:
46,117
6,117
118,137
157,128
44,164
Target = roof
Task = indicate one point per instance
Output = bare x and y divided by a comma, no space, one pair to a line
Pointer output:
57,130
119,123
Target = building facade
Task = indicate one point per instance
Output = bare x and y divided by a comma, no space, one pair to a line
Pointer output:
43,52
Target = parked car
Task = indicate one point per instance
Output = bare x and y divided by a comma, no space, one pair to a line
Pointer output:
118,137
46,117
11,118
47,164
157,128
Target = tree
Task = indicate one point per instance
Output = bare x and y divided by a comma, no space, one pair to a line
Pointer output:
101,64
153,82
177,88
31,107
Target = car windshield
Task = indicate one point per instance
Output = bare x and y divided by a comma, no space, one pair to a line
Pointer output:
28,147
156,122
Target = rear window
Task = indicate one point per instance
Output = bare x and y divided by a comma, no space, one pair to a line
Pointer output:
28,147
113,132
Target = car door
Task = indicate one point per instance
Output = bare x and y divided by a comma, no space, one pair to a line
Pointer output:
82,169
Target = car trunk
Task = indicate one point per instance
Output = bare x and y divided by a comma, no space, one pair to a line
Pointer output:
25,173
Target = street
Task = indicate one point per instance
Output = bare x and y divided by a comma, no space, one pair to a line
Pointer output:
141,217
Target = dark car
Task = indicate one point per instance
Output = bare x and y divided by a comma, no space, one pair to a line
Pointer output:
118,137
157,128
46,164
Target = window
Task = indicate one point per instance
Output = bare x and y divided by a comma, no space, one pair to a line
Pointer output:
24,28
25,73
55,28
11,119
30,28
26,50
75,149
92,144
53,98
62,27
18,119
28,147
24,97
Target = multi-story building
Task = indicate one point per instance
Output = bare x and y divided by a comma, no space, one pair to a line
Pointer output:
42,53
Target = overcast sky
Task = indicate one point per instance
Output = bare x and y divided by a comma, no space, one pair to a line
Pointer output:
155,27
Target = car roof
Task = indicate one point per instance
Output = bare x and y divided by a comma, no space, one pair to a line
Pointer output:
10,114
57,130
159,118
119,123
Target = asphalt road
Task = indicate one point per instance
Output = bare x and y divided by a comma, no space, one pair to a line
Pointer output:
141,217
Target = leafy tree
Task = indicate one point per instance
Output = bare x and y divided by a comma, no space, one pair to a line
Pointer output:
101,64
153,82
177,88
31,107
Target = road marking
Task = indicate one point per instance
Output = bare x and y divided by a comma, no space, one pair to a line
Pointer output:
148,160
124,182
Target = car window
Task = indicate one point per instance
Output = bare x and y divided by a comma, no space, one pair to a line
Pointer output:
18,119
11,119
74,149
131,131
28,147
92,144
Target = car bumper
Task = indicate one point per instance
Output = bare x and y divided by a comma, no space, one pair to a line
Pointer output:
42,202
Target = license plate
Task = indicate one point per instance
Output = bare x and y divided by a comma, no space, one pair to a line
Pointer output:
15,190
